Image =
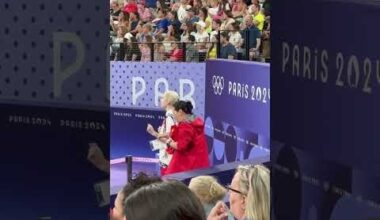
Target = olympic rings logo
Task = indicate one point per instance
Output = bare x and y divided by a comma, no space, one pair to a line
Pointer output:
218,84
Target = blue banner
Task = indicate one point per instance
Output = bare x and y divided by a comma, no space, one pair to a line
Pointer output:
237,110
325,110
136,89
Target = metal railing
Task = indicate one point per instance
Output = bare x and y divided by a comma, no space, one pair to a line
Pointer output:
182,51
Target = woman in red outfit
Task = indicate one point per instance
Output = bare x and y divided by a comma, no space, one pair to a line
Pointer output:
187,141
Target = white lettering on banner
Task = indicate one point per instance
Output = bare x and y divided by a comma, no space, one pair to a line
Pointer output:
352,71
62,74
188,96
137,94
245,91
158,95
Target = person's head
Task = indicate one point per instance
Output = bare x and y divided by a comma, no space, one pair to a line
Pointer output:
121,31
256,8
183,2
191,38
115,5
182,109
148,39
169,99
216,24
139,181
147,28
214,3
162,201
226,15
162,13
255,2
172,15
248,20
224,37
250,193
132,15
158,4
191,12
207,189
203,14
235,26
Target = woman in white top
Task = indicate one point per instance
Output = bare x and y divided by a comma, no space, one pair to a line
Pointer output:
167,102
201,37
235,36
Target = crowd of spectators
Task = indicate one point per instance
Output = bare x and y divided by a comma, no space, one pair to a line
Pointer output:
147,197
189,30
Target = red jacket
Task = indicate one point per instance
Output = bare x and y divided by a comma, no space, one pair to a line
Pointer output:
192,151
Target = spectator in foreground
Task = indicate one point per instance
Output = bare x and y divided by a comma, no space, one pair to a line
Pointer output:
249,195
209,192
170,200
139,181
227,50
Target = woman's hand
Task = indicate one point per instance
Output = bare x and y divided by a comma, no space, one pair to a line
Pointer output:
150,129
219,212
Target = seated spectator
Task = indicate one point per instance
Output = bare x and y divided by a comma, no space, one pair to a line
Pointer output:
134,22
235,36
254,39
174,28
159,49
139,181
115,9
122,20
116,48
258,17
144,12
212,48
133,51
197,5
170,200
191,51
225,5
227,20
131,7
204,16
177,53
216,24
227,50
249,195
201,35
266,40
209,192
182,13
214,9
187,30
191,16
146,49
162,23
239,9
145,31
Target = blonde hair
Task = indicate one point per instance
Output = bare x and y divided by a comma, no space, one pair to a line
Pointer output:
207,189
255,183
171,96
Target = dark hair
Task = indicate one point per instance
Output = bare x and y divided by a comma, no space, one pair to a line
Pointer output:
205,12
218,21
139,181
165,200
174,13
225,35
185,106
191,38
236,26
